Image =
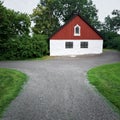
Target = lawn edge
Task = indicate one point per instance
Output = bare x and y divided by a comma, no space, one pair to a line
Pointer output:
112,106
18,92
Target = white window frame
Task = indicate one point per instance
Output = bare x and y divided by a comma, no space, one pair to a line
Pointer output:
79,30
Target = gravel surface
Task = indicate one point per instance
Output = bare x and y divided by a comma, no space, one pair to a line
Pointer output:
58,89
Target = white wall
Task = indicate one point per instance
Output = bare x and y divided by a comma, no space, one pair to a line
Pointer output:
57,47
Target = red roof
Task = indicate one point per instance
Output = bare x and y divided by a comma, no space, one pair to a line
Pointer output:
67,30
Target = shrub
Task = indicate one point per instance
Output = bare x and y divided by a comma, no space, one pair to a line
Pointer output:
111,39
23,47
114,43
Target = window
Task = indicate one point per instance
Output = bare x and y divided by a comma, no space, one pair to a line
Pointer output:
77,30
69,45
84,45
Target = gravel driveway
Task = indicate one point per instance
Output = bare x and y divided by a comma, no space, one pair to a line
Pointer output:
58,89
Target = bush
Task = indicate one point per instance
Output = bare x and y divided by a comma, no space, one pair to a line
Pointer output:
108,37
114,44
23,47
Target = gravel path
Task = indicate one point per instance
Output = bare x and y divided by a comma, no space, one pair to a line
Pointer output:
58,89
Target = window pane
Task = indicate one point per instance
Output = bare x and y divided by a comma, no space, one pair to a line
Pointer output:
77,30
69,45
84,45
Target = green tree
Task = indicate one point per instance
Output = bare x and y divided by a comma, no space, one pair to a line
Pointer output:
45,21
12,23
108,36
112,23
110,28
49,14
65,8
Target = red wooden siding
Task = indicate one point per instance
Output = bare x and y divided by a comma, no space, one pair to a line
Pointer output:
67,32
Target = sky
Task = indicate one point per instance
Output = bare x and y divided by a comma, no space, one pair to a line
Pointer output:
104,7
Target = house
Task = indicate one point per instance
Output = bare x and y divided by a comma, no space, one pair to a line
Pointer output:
76,37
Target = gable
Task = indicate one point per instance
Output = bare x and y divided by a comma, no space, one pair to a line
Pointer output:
67,31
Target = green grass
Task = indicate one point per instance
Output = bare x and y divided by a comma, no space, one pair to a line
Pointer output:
11,82
106,79
39,58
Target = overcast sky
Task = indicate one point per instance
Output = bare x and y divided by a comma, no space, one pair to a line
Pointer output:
105,7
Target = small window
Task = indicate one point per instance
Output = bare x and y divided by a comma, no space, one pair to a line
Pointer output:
76,30
84,45
69,45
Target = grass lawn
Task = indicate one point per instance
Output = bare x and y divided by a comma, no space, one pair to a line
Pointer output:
11,82
106,79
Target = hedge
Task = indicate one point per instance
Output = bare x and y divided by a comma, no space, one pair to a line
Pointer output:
24,47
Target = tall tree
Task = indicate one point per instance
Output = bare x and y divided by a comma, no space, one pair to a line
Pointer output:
113,23
86,8
110,28
45,21
12,23
50,13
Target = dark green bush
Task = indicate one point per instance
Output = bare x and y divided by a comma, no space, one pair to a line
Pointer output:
108,37
23,47
114,43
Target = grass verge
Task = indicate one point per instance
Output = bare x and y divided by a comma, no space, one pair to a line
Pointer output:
42,58
106,79
11,82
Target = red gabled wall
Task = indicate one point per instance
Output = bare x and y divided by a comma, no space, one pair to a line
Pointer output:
67,31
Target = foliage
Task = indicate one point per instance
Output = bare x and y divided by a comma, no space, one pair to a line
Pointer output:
111,40
15,42
114,43
11,82
49,14
45,21
22,47
106,78
86,8
113,23
12,23
108,36
109,30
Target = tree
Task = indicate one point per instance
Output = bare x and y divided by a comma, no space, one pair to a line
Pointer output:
45,21
12,23
66,8
110,28
49,14
108,36
112,23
